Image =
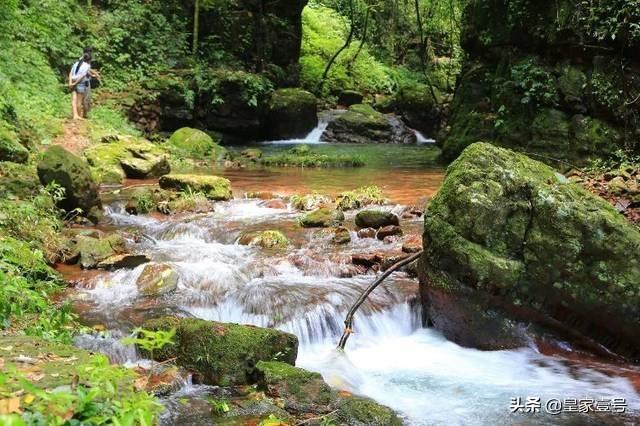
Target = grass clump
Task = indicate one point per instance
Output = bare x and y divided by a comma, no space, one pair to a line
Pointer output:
303,156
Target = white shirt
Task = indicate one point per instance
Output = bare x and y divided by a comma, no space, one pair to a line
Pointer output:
81,71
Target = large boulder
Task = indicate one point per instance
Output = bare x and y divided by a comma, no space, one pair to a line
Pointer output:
91,250
509,240
126,156
194,143
292,113
362,124
213,187
71,173
10,147
376,219
221,353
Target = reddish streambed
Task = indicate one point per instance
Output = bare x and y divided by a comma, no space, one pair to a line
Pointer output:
307,289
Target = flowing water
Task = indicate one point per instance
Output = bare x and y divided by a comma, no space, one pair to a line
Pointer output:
307,289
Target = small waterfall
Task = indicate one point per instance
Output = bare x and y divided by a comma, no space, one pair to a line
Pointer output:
109,344
324,118
422,139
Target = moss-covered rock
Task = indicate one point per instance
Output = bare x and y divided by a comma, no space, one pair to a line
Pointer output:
264,239
362,124
18,180
71,173
91,251
194,143
507,238
10,147
304,156
157,279
222,353
309,202
376,219
323,217
213,187
303,391
420,107
341,235
292,113
126,156
360,197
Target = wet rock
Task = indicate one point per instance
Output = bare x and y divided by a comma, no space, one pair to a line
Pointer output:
303,391
194,143
618,186
362,124
309,202
540,251
264,239
213,187
388,231
341,235
161,380
365,259
321,218
275,204
388,259
412,244
91,251
126,156
10,147
261,195
292,113
376,219
123,261
361,197
251,154
221,353
411,212
157,279
71,173
367,233
350,97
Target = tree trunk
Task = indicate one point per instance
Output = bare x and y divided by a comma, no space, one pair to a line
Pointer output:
364,37
196,27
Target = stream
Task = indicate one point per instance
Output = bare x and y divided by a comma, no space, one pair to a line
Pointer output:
307,290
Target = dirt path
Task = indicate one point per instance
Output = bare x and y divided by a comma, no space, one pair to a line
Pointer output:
74,137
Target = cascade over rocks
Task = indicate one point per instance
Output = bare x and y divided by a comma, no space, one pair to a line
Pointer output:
71,173
507,240
540,76
222,353
362,124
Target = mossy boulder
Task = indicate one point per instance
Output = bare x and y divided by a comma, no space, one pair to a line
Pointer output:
304,391
90,251
71,173
213,187
309,202
194,143
264,239
292,113
10,147
376,219
157,279
222,353
363,124
341,235
508,239
323,217
126,156
360,197
304,156
350,97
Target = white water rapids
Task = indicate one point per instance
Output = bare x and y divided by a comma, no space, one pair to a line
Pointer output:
390,358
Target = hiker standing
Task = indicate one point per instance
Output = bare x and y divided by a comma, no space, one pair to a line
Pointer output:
80,83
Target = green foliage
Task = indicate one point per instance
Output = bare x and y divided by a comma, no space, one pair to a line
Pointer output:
610,20
150,340
535,83
273,420
219,406
105,395
135,42
218,82
303,157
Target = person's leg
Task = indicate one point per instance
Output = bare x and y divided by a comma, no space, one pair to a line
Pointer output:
74,105
86,101
80,105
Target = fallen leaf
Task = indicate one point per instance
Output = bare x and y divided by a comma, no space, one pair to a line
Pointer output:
7,348
28,399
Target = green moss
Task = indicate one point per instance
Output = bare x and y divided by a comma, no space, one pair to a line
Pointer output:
303,156
321,218
213,187
364,411
361,197
92,251
221,353
309,202
194,143
10,147
375,219
265,239
296,386
18,180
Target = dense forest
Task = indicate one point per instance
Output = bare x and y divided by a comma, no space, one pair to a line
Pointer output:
186,252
